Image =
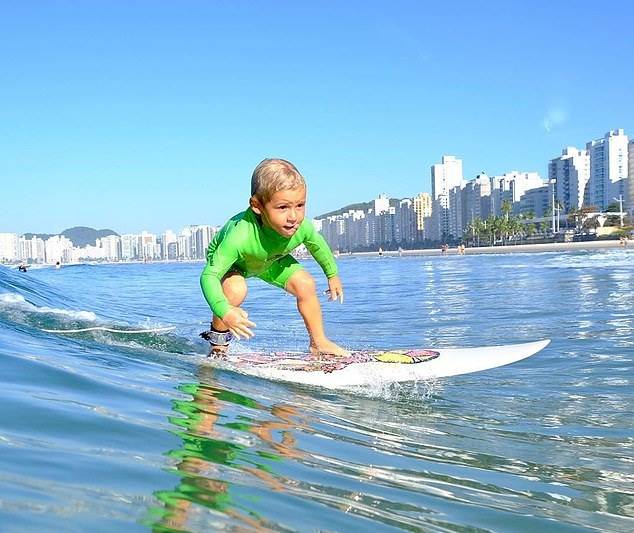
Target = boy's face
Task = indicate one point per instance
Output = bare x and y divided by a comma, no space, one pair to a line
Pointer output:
284,211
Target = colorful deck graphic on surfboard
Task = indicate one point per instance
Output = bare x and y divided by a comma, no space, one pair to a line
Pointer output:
305,363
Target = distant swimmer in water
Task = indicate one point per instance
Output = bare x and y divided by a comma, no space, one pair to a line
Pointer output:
58,265
22,268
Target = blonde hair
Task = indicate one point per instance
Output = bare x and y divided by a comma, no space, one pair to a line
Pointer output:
273,175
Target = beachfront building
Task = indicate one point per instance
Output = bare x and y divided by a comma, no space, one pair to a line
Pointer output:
445,176
201,237
476,201
111,246
168,248
456,210
8,247
608,169
571,173
537,201
629,207
32,250
58,248
129,244
89,253
422,208
147,246
510,187
405,231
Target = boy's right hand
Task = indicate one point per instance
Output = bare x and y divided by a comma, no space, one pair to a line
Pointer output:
238,323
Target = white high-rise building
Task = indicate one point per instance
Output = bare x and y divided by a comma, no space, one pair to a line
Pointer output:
111,247
445,176
32,249
630,182
510,187
201,237
381,204
8,247
169,240
571,172
58,248
476,202
608,168
129,247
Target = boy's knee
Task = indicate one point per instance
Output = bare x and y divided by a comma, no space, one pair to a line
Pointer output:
301,284
235,289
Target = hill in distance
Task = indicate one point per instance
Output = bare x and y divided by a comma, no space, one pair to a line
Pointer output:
361,206
79,235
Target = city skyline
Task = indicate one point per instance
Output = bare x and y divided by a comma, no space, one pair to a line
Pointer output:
456,179
154,121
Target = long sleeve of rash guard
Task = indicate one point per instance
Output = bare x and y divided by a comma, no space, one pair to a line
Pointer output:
319,249
218,264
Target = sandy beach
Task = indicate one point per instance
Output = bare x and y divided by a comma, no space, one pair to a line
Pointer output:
509,249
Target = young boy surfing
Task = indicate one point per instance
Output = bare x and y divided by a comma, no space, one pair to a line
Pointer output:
258,242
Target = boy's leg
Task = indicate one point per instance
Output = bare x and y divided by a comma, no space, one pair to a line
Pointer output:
302,285
234,287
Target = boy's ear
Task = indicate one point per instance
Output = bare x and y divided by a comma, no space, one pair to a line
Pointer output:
255,205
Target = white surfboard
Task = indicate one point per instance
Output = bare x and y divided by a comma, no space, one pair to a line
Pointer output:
371,368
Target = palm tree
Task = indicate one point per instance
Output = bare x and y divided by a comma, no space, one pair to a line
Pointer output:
516,228
506,209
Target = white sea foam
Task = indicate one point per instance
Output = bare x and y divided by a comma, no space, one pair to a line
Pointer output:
11,298
16,301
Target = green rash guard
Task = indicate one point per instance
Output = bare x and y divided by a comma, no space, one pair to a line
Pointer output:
247,246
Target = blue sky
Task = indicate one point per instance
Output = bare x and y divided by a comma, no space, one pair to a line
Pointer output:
152,115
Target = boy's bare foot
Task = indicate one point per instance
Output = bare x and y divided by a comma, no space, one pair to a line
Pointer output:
327,349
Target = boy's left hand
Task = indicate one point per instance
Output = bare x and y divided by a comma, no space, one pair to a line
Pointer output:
335,289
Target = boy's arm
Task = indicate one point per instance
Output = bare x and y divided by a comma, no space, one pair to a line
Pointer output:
218,264
319,249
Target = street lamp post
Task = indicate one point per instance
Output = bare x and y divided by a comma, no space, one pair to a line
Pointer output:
552,182
620,201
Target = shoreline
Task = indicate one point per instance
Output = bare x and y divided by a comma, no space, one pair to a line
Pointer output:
507,249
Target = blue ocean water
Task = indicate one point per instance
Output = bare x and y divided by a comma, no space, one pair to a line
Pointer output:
105,431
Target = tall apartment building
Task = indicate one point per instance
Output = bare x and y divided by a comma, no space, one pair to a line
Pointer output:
58,248
8,247
33,249
129,247
571,173
111,246
608,168
510,187
445,176
422,208
630,182
476,199
537,201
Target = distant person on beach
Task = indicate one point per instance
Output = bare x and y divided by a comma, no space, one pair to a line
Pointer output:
380,251
258,243
443,249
